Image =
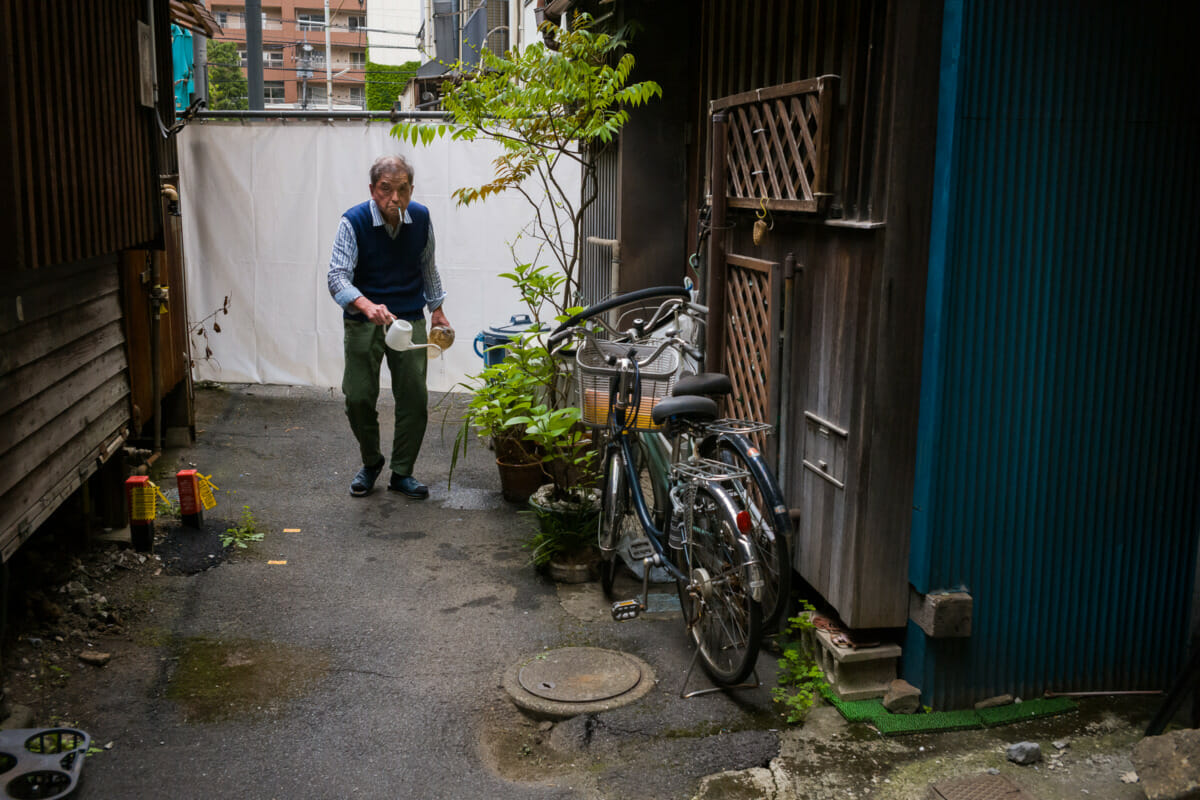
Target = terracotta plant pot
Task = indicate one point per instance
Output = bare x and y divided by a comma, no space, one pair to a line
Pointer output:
518,482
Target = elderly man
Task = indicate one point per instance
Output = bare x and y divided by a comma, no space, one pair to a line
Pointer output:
383,269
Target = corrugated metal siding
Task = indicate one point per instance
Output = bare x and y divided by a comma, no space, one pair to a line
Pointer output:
600,220
79,144
1060,449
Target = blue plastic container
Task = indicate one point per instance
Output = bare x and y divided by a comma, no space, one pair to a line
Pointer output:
489,343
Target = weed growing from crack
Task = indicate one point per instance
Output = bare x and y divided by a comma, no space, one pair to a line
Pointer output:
244,532
800,677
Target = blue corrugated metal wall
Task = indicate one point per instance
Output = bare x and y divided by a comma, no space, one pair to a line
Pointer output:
1059,447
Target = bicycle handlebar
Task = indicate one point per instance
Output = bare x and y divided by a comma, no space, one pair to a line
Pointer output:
563,330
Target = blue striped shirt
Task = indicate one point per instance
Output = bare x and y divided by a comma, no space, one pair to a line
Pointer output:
345,259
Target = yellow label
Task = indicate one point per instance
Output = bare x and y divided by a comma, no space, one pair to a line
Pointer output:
206,491
144,501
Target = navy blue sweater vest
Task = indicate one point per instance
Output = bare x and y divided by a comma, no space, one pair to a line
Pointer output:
389,270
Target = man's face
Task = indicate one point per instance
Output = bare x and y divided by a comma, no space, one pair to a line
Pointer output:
392,193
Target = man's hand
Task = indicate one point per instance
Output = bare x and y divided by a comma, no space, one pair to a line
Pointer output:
374,312
437,318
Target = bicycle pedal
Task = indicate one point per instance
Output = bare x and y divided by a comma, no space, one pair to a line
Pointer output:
641,548
624,610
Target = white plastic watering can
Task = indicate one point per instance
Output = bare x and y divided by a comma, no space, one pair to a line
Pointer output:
399,337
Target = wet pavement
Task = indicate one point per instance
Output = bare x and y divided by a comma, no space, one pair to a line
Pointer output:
362,652
361,649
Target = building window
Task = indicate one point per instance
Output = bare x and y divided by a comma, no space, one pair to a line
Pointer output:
310,22
273,59
222,18
355,22
317,95
358,96
241,58
358,59
272,91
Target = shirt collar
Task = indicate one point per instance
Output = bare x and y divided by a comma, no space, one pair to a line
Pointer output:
377,215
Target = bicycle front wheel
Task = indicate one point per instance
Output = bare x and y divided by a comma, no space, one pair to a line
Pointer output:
613,504
769,527
721,614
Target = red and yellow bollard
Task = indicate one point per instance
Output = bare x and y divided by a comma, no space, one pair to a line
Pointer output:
142,497
190,507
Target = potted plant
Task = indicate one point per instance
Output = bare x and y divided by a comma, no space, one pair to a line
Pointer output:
500,396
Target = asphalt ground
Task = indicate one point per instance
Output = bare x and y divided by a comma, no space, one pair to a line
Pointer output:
367,661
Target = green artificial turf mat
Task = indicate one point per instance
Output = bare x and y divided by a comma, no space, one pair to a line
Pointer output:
889,724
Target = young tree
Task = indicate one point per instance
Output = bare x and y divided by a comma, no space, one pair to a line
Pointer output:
227,88
546,107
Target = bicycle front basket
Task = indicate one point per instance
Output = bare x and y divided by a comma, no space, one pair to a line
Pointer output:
595,379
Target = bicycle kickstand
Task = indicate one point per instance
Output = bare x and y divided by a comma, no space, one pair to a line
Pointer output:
698,692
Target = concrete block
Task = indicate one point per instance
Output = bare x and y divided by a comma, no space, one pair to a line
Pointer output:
941,615
856,673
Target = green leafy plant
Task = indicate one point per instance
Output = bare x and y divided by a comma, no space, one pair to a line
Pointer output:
561,530
547,107
517,402
244,532
801,679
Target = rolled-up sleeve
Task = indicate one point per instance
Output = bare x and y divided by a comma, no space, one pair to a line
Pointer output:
341,266
434,294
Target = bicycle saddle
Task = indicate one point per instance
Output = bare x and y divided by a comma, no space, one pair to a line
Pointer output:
691,408
704,383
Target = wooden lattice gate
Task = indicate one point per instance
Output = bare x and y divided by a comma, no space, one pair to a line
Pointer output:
752,323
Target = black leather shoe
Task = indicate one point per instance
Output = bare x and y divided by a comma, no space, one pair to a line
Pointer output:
364,481
408,485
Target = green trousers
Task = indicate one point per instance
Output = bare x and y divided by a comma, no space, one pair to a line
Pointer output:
365,351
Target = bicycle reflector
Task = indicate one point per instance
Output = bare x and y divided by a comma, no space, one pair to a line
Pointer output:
743,521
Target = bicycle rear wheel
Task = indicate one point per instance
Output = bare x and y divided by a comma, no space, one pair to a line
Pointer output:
721,614
769,530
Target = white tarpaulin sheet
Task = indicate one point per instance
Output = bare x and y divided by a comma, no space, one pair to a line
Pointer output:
261,203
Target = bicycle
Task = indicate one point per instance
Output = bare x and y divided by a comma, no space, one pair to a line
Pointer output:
725,439
700,539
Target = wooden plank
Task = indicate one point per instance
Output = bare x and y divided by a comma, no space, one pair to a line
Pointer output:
43,489
11,223
768,93
25,420
105,124
749,262
84,122
20,385
48,133
826,94
31,342
774,205
23,84
55,291
60,182
59,432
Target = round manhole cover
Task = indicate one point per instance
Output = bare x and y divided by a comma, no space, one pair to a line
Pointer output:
579,675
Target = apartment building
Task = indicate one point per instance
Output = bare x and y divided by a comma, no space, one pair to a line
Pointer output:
294,53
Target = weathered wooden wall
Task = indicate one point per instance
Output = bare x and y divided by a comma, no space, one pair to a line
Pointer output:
83,158
850,383
64,389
